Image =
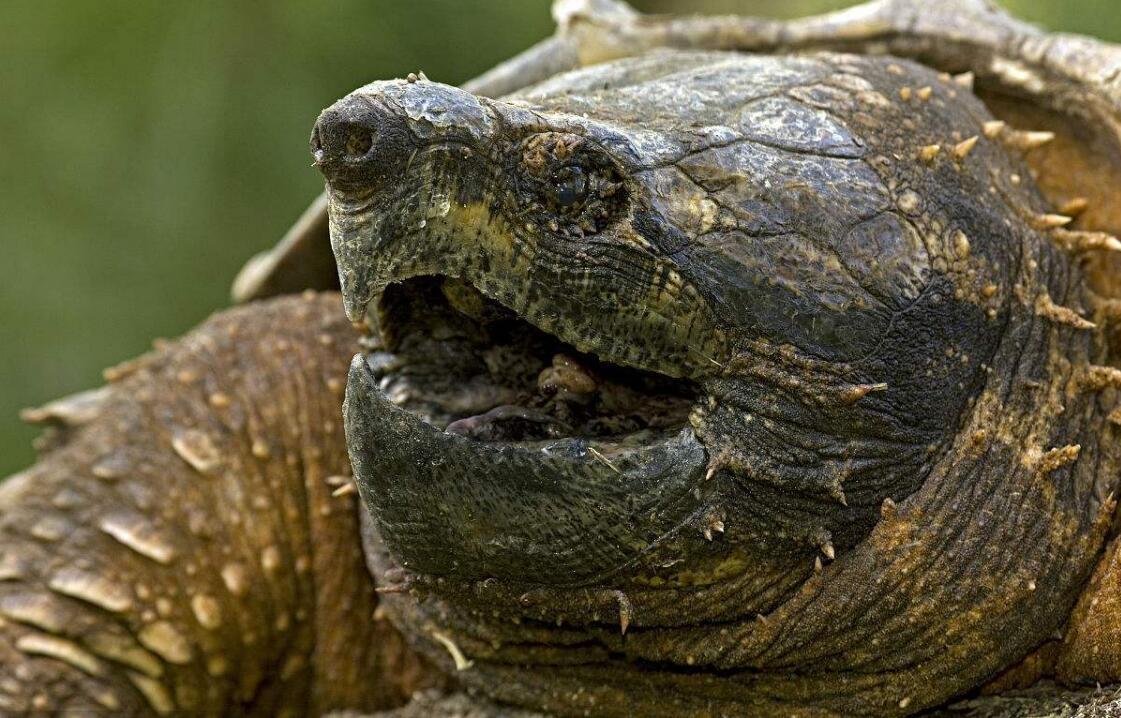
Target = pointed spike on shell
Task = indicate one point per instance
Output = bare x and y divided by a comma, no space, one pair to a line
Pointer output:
1045,307
817,564
963,148
1074,206
929,153
856,392
965,79
1026,140
1052,221
888,509
345,490
1081,241
462,663
828,551
626,611
993,128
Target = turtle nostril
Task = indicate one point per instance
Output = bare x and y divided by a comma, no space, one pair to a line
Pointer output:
359,140
317,152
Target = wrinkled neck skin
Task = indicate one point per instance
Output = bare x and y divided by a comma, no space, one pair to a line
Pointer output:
894,478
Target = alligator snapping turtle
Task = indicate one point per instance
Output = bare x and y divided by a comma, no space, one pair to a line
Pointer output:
694,383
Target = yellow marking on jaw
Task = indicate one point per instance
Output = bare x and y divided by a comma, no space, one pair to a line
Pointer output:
475,223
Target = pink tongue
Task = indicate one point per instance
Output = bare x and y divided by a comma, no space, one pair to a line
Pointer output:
508,422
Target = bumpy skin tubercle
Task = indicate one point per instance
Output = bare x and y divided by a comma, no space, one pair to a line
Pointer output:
869,356
181,553
895,384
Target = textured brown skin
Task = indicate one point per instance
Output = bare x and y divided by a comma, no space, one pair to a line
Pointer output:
1094,624
294,625
958,579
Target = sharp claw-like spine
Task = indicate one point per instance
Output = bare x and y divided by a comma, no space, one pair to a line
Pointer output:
626,611
1051,221
856,392
603,459
1025,140
345,490
1082,241
965,80
963,148
1074,206
462,663
714,524
828,551
993,128
1046,308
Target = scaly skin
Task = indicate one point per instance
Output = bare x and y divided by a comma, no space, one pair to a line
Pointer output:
60,522
898,380
182,552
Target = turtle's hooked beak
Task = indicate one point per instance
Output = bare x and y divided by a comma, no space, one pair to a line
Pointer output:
519,411
366,146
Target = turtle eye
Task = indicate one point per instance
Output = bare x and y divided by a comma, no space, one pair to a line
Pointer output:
570,187
565,185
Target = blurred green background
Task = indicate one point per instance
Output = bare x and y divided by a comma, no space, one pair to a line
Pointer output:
150,147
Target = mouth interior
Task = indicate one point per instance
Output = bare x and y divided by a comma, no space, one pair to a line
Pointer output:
471,366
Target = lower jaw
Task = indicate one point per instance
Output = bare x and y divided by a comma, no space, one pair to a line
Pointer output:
560,512
528,505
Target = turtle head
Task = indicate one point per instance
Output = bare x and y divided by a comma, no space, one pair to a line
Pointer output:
677,341
736,291
539,213
542,354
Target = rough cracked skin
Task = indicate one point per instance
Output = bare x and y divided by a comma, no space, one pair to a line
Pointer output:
180,552
692,384
890,375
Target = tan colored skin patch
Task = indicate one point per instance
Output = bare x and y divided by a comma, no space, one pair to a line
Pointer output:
1091,646
165,640
159,547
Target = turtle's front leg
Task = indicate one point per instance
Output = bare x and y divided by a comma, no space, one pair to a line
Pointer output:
182,552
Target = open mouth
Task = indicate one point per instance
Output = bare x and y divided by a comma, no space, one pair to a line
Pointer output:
471,367
486,447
